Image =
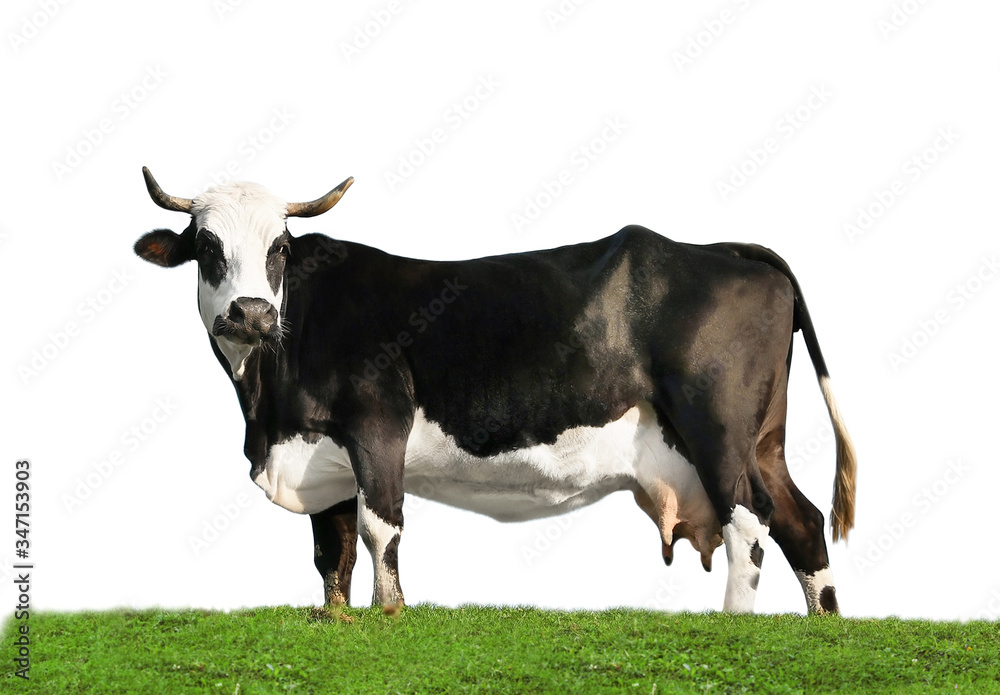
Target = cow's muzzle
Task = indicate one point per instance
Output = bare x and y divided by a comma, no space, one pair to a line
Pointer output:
248,321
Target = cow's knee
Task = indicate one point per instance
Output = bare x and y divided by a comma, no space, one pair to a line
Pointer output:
744,537
381,537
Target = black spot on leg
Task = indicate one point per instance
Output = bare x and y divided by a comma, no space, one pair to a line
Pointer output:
828,600
757,554
391,555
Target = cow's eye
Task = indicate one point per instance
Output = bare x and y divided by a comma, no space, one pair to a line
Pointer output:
285,250
211,259
208,246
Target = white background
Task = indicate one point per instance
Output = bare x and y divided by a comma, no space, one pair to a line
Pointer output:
94,91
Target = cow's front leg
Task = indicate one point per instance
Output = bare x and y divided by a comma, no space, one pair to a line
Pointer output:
381,537
378,469
335,543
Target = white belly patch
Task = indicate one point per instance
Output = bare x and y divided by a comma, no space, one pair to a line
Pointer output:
583,465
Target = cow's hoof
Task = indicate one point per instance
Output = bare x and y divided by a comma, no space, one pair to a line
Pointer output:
393,609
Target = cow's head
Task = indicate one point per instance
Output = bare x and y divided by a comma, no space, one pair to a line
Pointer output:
239,238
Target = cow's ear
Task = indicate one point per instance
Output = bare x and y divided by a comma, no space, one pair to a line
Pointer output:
166,248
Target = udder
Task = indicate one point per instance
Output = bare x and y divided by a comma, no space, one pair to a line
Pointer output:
671,493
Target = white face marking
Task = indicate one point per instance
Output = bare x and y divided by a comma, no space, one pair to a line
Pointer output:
740,536
246,219
813,585
307,477
377,534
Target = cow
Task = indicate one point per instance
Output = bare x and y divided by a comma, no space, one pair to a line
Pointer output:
517,386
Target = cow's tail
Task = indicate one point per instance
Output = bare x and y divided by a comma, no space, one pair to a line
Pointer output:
844,484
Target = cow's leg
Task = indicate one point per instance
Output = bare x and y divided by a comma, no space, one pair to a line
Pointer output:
797,527
719,403
744,536
723,453
378,468
335,541
381,537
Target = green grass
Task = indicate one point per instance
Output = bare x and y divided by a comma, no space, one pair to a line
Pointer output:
428,649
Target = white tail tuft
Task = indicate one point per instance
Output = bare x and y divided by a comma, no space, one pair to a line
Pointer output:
844,483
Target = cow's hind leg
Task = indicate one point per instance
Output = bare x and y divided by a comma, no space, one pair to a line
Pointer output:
720,401
723,452
335,543
797,527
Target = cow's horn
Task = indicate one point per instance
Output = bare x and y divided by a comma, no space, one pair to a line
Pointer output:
320,205
169,202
